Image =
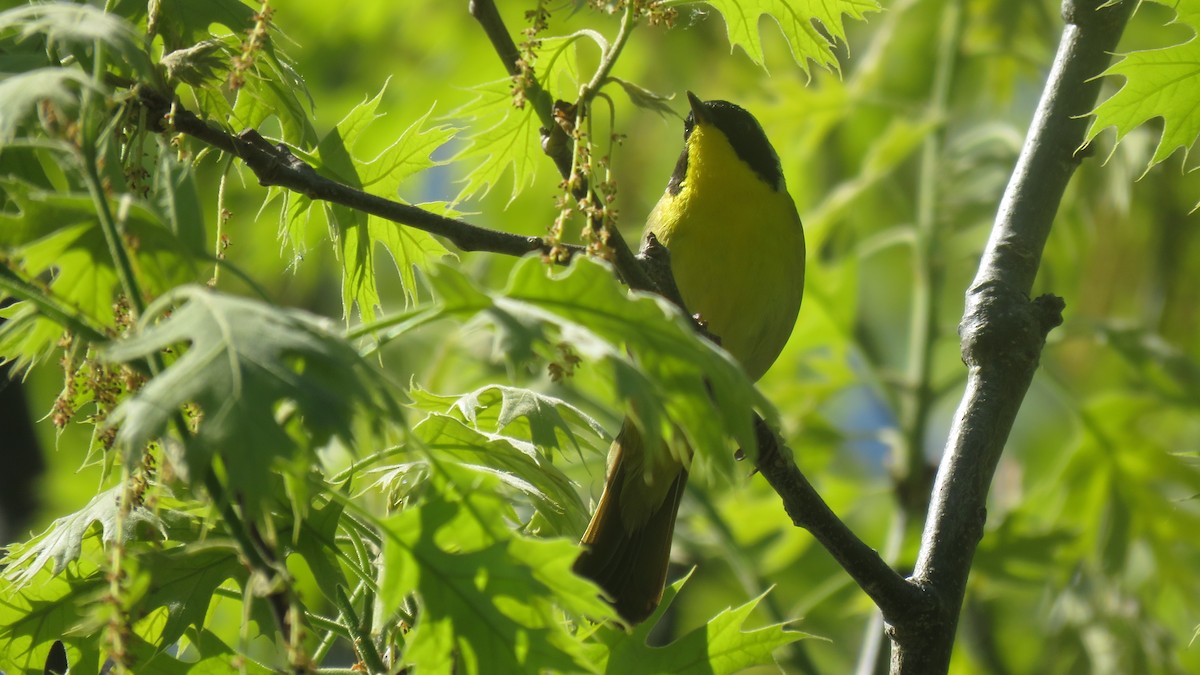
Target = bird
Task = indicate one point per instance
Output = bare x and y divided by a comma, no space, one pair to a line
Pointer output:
736,248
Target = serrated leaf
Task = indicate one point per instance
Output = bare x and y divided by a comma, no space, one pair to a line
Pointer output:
62,542
719,647
543,420
243,360
358,233
265,97
795,18
409,155
509,139
183,580
26,337
33,617
487,604
516,464
61,233
78,28
679,386
1158,83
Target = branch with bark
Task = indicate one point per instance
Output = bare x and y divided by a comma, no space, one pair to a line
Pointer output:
1003,331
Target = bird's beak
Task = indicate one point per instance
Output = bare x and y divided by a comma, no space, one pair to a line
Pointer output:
699,112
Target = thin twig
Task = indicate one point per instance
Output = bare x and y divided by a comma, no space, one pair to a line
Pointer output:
560,152
896,597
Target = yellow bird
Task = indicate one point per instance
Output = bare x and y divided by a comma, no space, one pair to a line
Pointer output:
737,254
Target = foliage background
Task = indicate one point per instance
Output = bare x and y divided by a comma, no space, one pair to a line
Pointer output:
1089,560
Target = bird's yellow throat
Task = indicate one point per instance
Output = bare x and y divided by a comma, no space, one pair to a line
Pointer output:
737,249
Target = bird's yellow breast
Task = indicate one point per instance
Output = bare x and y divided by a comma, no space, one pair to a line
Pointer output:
737,250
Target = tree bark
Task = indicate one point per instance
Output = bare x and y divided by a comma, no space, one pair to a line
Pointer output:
1003,331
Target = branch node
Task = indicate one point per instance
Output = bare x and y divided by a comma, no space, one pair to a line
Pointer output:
1049,311
1003,326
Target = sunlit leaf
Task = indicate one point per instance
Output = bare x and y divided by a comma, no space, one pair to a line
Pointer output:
795,18
1162,83
360,234
487,604
507,138
543,420
679,386
59,236
718,647
516,464
32,618
62,542
243,363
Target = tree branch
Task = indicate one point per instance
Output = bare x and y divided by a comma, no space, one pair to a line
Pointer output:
897,598
555,143
1003,332
276,165
650,271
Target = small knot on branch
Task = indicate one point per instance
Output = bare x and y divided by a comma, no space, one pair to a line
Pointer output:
1002,327
655,259
1049,309
271,161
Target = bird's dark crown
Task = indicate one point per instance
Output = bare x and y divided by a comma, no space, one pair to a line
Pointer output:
744,134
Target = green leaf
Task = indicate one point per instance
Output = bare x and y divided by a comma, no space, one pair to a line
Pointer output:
183,23
679,386
183,580
178,203
360,234
33,617
515,464
60,233
21,93
26,337
795,18
1158,83
545,421
62,542
509,138
79,28
718,647
316,542
250,367
487,597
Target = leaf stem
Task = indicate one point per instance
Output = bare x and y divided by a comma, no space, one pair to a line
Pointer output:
600,77
79,324
363,644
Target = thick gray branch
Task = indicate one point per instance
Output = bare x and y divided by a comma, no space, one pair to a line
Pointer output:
1003,331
